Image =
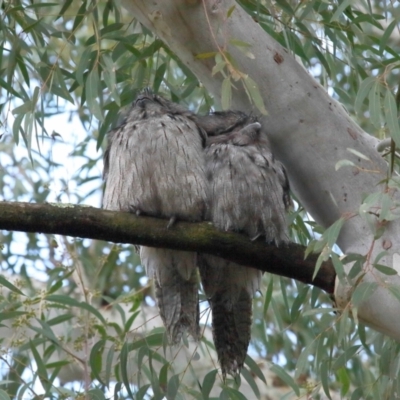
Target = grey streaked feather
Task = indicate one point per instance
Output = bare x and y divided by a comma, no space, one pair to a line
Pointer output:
154,165
230,288
176,283
249,188
249,193
222,122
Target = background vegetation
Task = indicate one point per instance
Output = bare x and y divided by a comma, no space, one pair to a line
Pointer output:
77,316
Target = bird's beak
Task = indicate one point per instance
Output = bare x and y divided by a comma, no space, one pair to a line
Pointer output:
145,95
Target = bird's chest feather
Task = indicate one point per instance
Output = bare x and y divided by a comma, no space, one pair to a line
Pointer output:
162,162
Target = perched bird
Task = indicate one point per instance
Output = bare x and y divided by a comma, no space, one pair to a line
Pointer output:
249,193
154,165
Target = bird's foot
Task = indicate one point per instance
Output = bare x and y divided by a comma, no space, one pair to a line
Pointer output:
171,222
134,210
254,238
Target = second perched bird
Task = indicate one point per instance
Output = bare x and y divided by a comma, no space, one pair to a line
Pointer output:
154,164
249,194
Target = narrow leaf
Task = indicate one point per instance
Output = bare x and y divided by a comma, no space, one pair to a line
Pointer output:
339,11
124,368
9,285
41,368
92,87
64,8
303,362
83,65
226,95
391,117
255,95
278,370
333,231
69,301
363,92
231,394
173,386
202,56
95,359
384,269
298,303
80,14
239,43
344,380
324,373
375,105
345,357
23,109
363,292
110,78
358,154
344,163
45,331
208,383
60,319
268,295
385,37
250,380
218,67
230,11
254,368
159,76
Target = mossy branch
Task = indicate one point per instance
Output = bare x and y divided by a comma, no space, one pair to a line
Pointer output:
119,227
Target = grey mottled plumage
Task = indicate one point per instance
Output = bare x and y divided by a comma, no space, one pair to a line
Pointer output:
249,193
223,122
154,164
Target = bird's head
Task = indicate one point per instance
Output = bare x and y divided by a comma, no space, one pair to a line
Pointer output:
243,136
154,104
149,102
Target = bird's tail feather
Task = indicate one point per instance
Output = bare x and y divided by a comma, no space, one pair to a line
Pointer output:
231,330
176,283
230,288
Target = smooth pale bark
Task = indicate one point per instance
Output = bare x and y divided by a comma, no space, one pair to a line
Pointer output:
309,131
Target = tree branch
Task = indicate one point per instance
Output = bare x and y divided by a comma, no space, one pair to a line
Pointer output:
93,223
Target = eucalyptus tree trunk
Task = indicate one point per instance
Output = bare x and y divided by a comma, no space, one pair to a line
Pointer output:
309,131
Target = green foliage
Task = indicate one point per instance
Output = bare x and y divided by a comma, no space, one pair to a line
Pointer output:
351,48
77,317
